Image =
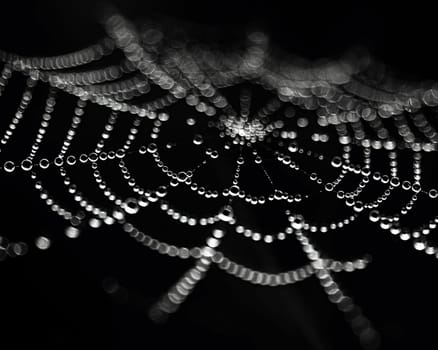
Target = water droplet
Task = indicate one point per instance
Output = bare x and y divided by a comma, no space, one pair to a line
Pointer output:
226,214
58,161
395,181
302,122
234,190
191,121
143,201
71,160
131,206
297,222
92,157
109,220
72,232
336,162
44,163
293,147
26,165
406,185
163,117
120,153
170,145
152,148
433,193
95,223
358,206
42,243
218,233
9,166
118,215
374,216
161,191
182,176
198,139
329,187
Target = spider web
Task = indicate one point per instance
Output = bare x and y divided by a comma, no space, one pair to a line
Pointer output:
339,102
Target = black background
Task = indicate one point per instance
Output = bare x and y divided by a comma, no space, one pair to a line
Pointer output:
57,299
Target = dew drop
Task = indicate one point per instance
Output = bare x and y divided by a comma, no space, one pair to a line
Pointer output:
42,243
293,147
44,163
161,191
131,206
182,176
226,214
336,162
198,139
152,148
374,216
95,223
72,232
9,166
71,160
26,165
191,121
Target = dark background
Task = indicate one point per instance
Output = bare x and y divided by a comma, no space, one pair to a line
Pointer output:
58,299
